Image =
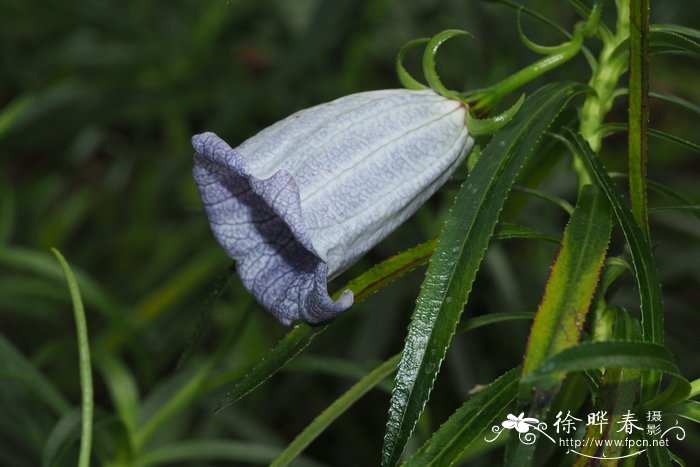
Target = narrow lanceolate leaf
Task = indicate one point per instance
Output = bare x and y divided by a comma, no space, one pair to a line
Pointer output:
614,354
302,334
467,424
567,298
617,391
376,376
458,254
615,127
389,270
572,281
642,257
638,115
509,230
671,38
687,409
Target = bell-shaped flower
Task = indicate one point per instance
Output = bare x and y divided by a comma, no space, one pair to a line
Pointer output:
301,201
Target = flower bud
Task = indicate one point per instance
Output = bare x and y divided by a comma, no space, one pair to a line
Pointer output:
301,201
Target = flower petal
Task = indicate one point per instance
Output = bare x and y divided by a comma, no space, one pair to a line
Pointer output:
259,223
302,200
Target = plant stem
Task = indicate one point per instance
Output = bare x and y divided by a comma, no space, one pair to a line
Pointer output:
603,83
639,111
486,98
87,403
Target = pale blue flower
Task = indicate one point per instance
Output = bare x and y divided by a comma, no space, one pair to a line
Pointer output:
301,201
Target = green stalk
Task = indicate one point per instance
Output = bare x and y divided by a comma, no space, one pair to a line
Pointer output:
603,83
87,403
639,111
486,98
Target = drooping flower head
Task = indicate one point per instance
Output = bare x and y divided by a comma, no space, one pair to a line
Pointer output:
302,200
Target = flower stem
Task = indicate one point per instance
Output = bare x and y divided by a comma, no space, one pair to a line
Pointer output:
486,98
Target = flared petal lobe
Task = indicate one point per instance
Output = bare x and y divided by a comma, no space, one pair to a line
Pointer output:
302,200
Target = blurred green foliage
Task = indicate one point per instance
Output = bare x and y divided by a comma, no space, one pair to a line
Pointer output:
98,100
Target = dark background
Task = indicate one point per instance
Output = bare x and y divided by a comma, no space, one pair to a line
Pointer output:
98,102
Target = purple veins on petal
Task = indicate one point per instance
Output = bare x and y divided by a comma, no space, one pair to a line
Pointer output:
302,200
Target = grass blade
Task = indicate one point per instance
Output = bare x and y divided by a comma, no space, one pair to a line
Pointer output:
457,257
87,403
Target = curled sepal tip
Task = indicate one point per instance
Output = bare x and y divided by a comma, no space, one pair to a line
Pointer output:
408,81
487,126
534,46
431,75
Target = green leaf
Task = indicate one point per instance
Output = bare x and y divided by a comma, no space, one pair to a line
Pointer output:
509,230
686,104
694,388
86,390
664,190
555,200
611,128
16,368
493,318
567,298
671,38
302,334
457,257
372,379
12,111
614,354
687,409
386,272
63,436
122,389
675,207
572,281
642,258
61,439
467,423
200,452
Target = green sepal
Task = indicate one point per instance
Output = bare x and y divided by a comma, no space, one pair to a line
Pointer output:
431,75
488,126
408,81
